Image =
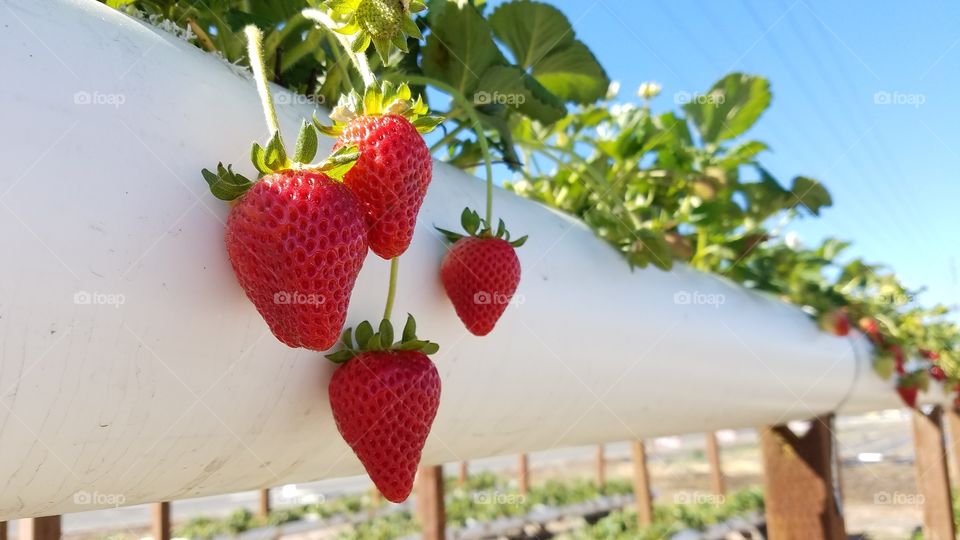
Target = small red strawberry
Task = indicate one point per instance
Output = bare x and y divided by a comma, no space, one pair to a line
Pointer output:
480,272
384,399
938,374
296,240
932,356
393,167
872,329
908,395
835,322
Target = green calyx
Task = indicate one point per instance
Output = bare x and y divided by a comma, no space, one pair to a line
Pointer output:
478,227
271,158
916,379
364,339
388,98
385,23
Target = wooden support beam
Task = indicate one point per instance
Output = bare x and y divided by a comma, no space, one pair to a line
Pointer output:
933,481
464,473
41,528
430,509
523,474
952,416
601,466
263,505
802,495
717,484
3,530
641,484
160,521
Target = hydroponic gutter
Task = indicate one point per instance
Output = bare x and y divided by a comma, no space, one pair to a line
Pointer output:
133,369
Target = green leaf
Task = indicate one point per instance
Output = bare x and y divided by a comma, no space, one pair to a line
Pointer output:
742,153
306,144
460,46
275,155
340,357
364,333
733,104
470,221
430,348
340,162
225,184
542,40
409,329
386,333
519,241
811,194
513,88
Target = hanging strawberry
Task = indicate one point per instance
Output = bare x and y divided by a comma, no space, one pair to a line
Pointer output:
383,22
480,272
384,398
380,134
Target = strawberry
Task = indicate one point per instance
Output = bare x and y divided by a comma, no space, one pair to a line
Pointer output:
883,364
938,374
836,322
932,356
872,329
384,22
898,356
480,272
296,240
384,399
392,168
908,395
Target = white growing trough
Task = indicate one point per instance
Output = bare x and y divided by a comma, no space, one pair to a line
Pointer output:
132,364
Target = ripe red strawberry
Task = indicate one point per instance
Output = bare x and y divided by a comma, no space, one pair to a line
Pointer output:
384,399
938,374
908,395
480,273
296,240
393,167
836,322
872,329
932,356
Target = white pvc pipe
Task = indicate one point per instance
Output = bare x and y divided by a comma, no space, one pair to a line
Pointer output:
133,369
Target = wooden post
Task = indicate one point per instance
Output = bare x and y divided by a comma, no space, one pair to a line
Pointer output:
717,485
933,481
953,425
802,495
641,485
462,479
601,467
160,521
3,530
523,474
41,528
430,510
263,506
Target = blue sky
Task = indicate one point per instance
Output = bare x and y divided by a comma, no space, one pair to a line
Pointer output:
891,168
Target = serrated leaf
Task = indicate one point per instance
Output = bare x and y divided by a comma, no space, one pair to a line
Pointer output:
460,46
306,144
514,88
731,106
409,329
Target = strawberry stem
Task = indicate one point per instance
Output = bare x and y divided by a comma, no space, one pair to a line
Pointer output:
255,51
392,289
359,59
